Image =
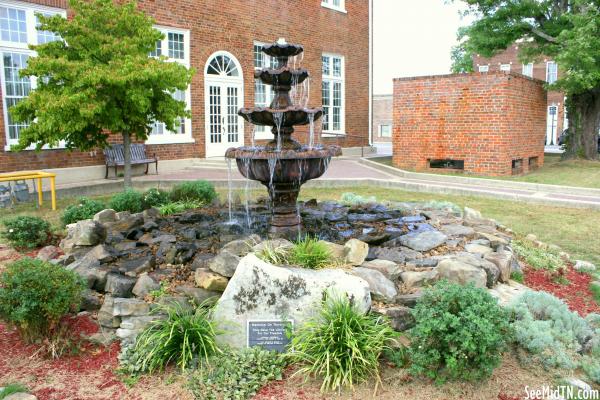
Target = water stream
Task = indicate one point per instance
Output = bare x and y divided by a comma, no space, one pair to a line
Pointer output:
229,190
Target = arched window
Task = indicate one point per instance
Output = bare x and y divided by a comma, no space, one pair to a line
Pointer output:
222,65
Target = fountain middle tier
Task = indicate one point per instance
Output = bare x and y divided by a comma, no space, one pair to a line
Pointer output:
282,77
281,118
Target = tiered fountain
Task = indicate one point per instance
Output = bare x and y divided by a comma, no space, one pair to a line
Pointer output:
283,164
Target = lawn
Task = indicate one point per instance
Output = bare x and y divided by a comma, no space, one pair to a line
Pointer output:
575,230
581,173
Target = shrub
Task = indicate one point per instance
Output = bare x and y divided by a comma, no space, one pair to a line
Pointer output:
341,344
546,328
279,255
176,207
517,276
34,295
129,200
155,197
237,375
310,253
459,333
355,199
536,257
595,289
84,209
185,336
12,388
201,190
26,231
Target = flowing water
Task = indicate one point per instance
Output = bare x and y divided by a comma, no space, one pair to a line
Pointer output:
229,190
278,119
311,132
246,165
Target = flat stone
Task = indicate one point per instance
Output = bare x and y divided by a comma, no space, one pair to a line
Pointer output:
581,265
459,271
400,317
261,291
381,287
503,260
201,260
119,285
458,230
210,281
383,253
127,307
494,240
478,249
105,314
48,253
337,251
101,253
90,301
144,285
423,263
165,238
20,396
137,266
506,293
199,295
423,241
106,216
125,246
224,263
389,269
138,323
409,299
242,247
356,251
418,279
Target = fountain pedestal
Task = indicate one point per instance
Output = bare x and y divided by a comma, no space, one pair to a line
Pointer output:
283,165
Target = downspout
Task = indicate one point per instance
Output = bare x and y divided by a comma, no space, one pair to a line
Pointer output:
370,72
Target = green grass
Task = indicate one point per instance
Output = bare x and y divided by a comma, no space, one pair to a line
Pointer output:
595,289
12,388
581,173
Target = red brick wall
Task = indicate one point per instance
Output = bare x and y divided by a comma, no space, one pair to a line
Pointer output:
486,120
511,56
233,26
382,114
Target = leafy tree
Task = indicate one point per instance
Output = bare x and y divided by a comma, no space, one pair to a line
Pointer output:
462,59
99,79
568,31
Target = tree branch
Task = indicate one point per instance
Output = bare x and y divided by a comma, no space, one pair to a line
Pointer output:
544,35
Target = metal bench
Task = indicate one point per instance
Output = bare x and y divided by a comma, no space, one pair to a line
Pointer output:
115,158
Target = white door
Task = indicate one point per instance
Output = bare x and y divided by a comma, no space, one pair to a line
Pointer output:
551,126
223,82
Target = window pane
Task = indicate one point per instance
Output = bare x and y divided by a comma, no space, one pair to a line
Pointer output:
157,52
13,27
15,88
326,65
45,36
259,56
176,48
528,70
325,93
337,66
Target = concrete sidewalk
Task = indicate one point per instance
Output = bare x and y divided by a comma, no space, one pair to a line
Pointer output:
348,172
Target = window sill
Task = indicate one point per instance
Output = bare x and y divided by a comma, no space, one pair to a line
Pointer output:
169,139
7,148
329,6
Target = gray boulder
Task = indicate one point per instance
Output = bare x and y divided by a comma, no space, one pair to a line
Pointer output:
423,241
417,279
242,247
119,285
48,253
144,285
261,291
390,269
458,230
503,260
106,216
460,270
209,280
137,266
478,249
400,317
129,307
356,251
224,263
105,314
382,288
86,233
199,295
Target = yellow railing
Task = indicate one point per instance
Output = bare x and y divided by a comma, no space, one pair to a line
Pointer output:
38,176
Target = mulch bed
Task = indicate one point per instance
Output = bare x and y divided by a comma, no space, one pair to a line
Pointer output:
576,294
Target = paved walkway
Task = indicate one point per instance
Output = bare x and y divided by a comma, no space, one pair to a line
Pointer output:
351,171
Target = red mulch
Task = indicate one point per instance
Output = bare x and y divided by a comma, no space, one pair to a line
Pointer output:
576,294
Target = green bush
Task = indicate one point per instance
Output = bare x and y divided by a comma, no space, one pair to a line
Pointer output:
341,344
155,197
129,200
311,253
201,190
185,336
536,257
549,331
353,199
460,332
84,209
26,231
517,276
176,207
595,289
34,295
12,388
237,375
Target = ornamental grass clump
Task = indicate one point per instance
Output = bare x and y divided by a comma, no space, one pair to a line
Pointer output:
26,232
186,337
341,344
460,333
35,295
176,207
310,253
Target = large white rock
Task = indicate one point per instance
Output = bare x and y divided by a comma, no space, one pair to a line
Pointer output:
261,291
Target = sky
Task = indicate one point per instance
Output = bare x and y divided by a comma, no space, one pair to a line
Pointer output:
411,38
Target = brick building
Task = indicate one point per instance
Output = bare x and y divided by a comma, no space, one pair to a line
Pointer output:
382,124
488,124
544,69
222,41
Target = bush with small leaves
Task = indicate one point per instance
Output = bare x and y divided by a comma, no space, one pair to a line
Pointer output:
26,231
460,333
155,197
237,374
129,200
536,257
34,295
201,190
84,209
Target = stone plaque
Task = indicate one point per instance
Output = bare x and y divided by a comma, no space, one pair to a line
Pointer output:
271,335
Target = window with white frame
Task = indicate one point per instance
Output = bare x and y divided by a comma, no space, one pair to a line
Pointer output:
551,72
18,29
505,67
263,94
333,98
175,47
528,70
339,5
385,130
484,68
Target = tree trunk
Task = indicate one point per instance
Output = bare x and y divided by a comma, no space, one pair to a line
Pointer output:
127,159
584,124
